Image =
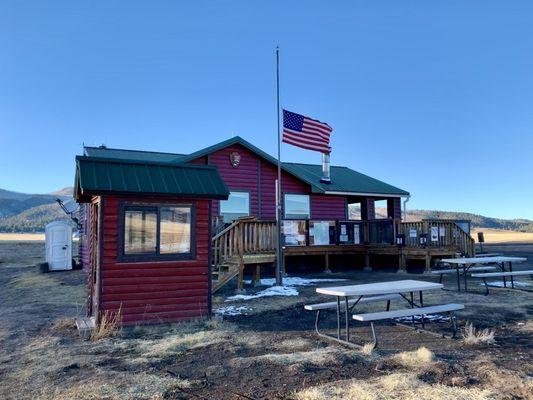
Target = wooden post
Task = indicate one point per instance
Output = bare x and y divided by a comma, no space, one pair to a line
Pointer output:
282,262
367,262
240,236
257,276
428,261
326,269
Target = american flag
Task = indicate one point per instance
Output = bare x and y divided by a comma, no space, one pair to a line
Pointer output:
306,132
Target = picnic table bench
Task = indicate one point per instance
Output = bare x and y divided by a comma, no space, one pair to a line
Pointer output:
443,272
464,265
504,274
384,291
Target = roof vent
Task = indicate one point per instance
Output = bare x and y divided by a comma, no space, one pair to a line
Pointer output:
326,177
102,146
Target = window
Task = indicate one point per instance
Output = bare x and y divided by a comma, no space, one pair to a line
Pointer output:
237,205
381,209
354,211
157,231
297,206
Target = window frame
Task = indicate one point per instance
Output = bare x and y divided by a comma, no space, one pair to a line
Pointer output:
156,256
248,192
299,217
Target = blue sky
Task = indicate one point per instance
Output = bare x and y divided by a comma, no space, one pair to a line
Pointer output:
435,97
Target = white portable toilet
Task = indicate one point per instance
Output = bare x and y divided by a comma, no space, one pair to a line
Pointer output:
58,248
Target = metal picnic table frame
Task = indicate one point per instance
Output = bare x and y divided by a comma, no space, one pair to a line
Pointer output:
373,289
467,263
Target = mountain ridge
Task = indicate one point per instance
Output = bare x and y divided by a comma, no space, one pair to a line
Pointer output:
24,212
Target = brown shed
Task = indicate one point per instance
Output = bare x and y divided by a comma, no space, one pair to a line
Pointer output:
147,237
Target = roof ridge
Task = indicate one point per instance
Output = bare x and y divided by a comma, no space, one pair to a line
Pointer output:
132,150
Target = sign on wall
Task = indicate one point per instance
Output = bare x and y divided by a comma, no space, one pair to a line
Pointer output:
434,233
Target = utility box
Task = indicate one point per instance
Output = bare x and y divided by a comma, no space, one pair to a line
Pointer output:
58,246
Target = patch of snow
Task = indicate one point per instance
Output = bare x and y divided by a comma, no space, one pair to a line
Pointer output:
427,318
295,281
500,283
271,291
231,310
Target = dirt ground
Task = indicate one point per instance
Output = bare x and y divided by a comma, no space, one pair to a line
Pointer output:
269,351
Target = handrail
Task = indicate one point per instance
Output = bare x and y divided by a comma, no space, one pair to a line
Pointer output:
222,232
243,236
445,234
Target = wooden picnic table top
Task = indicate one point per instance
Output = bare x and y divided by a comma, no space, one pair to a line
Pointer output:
403,286
482,260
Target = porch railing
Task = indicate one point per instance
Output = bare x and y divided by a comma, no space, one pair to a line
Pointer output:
436,234
243,236
251,236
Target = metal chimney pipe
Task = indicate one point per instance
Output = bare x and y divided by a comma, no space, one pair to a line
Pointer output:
326,177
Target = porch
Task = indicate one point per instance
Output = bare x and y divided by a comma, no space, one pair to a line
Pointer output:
249,241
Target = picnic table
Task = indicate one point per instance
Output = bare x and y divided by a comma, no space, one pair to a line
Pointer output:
466,263
372,291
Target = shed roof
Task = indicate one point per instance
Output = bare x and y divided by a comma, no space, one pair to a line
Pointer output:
343,179
97,176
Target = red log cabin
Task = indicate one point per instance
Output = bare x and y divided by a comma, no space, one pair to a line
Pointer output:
129,217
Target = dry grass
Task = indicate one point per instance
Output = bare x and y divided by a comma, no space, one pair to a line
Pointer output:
517,385
420,358
398,386
179,343
34,281
368,349
473,337
322,356
501,236
63,325
117,386
22,237
110,325
526,327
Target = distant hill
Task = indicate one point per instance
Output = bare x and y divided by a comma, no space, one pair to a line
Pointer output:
23,212
478,221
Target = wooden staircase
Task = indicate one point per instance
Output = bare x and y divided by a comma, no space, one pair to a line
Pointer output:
245,241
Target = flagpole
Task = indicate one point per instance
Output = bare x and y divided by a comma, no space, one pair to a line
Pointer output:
279,279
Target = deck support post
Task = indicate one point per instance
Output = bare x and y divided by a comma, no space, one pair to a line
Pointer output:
326,268
428,261
367,262
402,261
257,275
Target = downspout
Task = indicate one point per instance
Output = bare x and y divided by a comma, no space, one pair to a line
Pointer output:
405,208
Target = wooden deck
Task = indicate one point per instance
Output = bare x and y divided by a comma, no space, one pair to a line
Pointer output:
253,242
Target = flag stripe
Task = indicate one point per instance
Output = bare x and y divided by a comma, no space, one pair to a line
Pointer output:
318,124
315,129
305,140
315,132
323,149
311,136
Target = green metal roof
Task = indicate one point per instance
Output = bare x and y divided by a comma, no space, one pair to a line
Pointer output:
343,180
139,155
97,176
